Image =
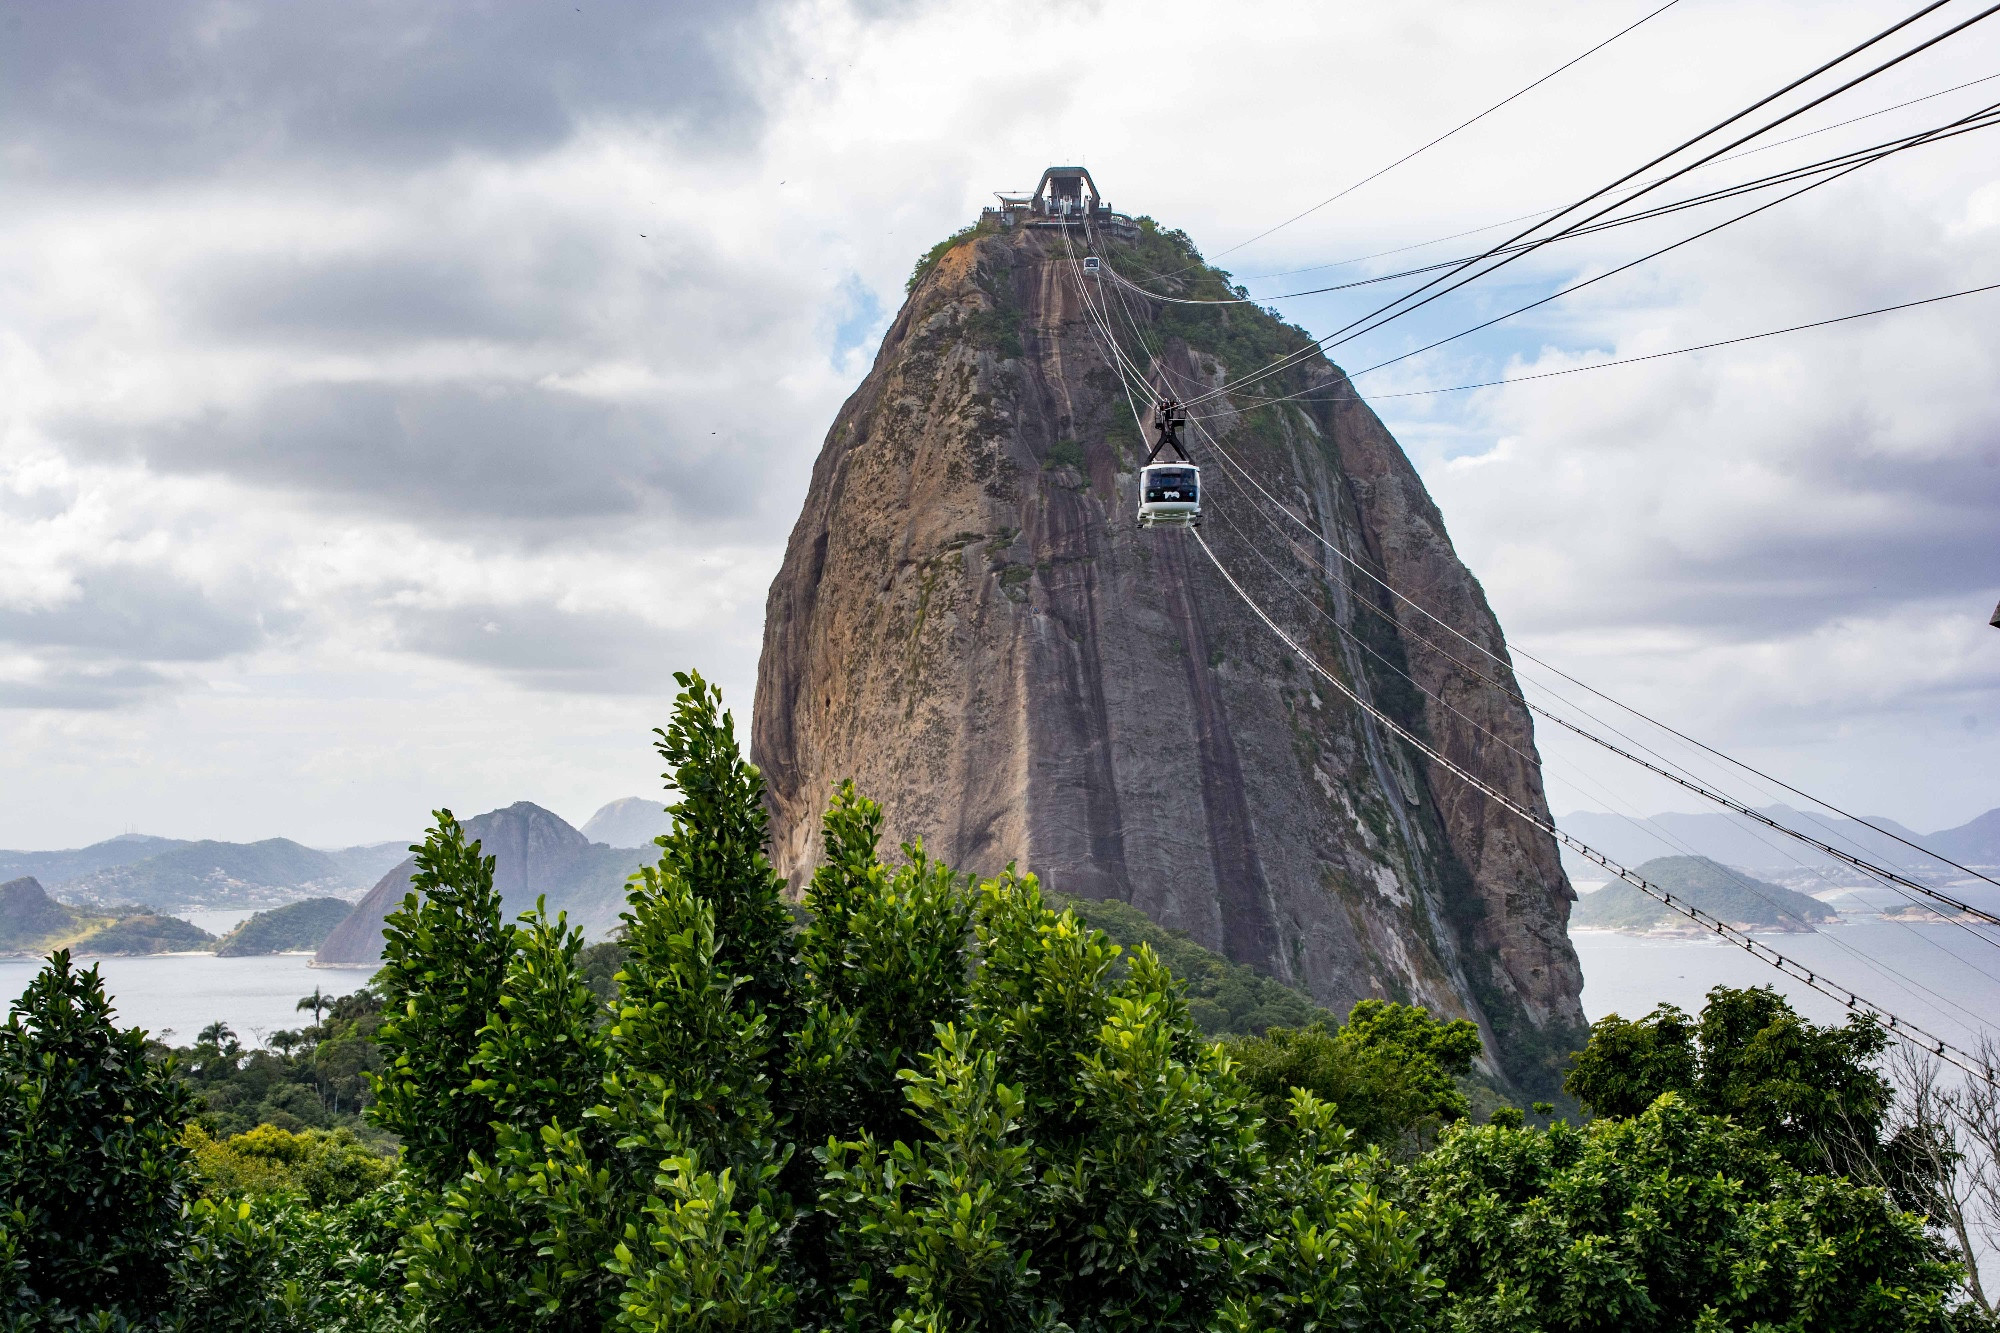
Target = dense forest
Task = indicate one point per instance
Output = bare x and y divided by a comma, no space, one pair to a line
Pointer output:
922,1103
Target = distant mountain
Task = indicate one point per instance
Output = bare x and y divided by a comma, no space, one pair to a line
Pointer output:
58,868
33,923
1716,889
215,874
362,866
535,852
1738,842
28,916
137,930
632,822
295,926
1973,843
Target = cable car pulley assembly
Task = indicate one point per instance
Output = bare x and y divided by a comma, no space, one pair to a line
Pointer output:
1170,492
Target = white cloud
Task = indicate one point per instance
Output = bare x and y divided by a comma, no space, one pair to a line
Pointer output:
419,425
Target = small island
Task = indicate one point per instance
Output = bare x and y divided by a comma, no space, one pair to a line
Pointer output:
32,924
1730,895
299,927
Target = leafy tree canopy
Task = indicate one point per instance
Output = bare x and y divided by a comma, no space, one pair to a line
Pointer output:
1389,1072
1812,1092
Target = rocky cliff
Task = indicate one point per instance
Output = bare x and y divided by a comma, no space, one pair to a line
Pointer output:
535,852
970,624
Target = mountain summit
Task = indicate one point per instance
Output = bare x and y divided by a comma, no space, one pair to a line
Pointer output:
970,624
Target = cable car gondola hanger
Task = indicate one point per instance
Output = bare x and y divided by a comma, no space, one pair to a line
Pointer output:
1170,492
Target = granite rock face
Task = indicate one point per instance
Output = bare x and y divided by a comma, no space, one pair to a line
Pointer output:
970,624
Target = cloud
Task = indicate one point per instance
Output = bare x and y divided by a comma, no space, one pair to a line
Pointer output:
137,91
501,450
391,397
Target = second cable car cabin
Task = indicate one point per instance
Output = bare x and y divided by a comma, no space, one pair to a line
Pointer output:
1169,493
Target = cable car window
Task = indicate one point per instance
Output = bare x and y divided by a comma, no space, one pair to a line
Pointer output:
1176,485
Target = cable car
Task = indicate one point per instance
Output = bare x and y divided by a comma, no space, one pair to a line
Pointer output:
1169,493
1090,264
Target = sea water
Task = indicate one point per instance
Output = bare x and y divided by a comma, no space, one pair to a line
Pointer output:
1937,975
1941,976
174,996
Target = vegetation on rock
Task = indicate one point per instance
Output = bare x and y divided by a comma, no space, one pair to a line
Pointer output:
294,927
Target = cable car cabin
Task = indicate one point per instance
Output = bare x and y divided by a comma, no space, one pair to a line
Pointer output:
1090,264
1169,493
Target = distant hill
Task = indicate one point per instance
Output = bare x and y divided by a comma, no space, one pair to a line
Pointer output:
1974,843
1738,842
632,822
361,866
137,930
295,926
59,868
1729,894
28,916
214,874
33,923
535,852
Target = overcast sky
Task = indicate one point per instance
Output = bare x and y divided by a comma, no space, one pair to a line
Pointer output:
392,396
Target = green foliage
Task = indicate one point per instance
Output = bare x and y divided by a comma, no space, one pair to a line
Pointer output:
1673,1220
444,967
702,1260
1224,998
1810,1092
520,1241
314,1079
716,845
1066,453
929,1230
933,1106
301,925
1389,1073
324,1167
689,1051
1331,1251
541,1058
92,1172
884,957
939,251
271,1265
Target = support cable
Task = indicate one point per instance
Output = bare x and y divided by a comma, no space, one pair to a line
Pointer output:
1359,327
1879,69
1906,1031
1462,125
1481,648
1351,396
1980,120
1554,208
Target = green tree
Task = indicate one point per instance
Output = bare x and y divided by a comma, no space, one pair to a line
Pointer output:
1670,1220
1389,1072
93,1175
541,1056
1331,1249
690,1098
883,960
445,955
1811,1092
716,844
520,1240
